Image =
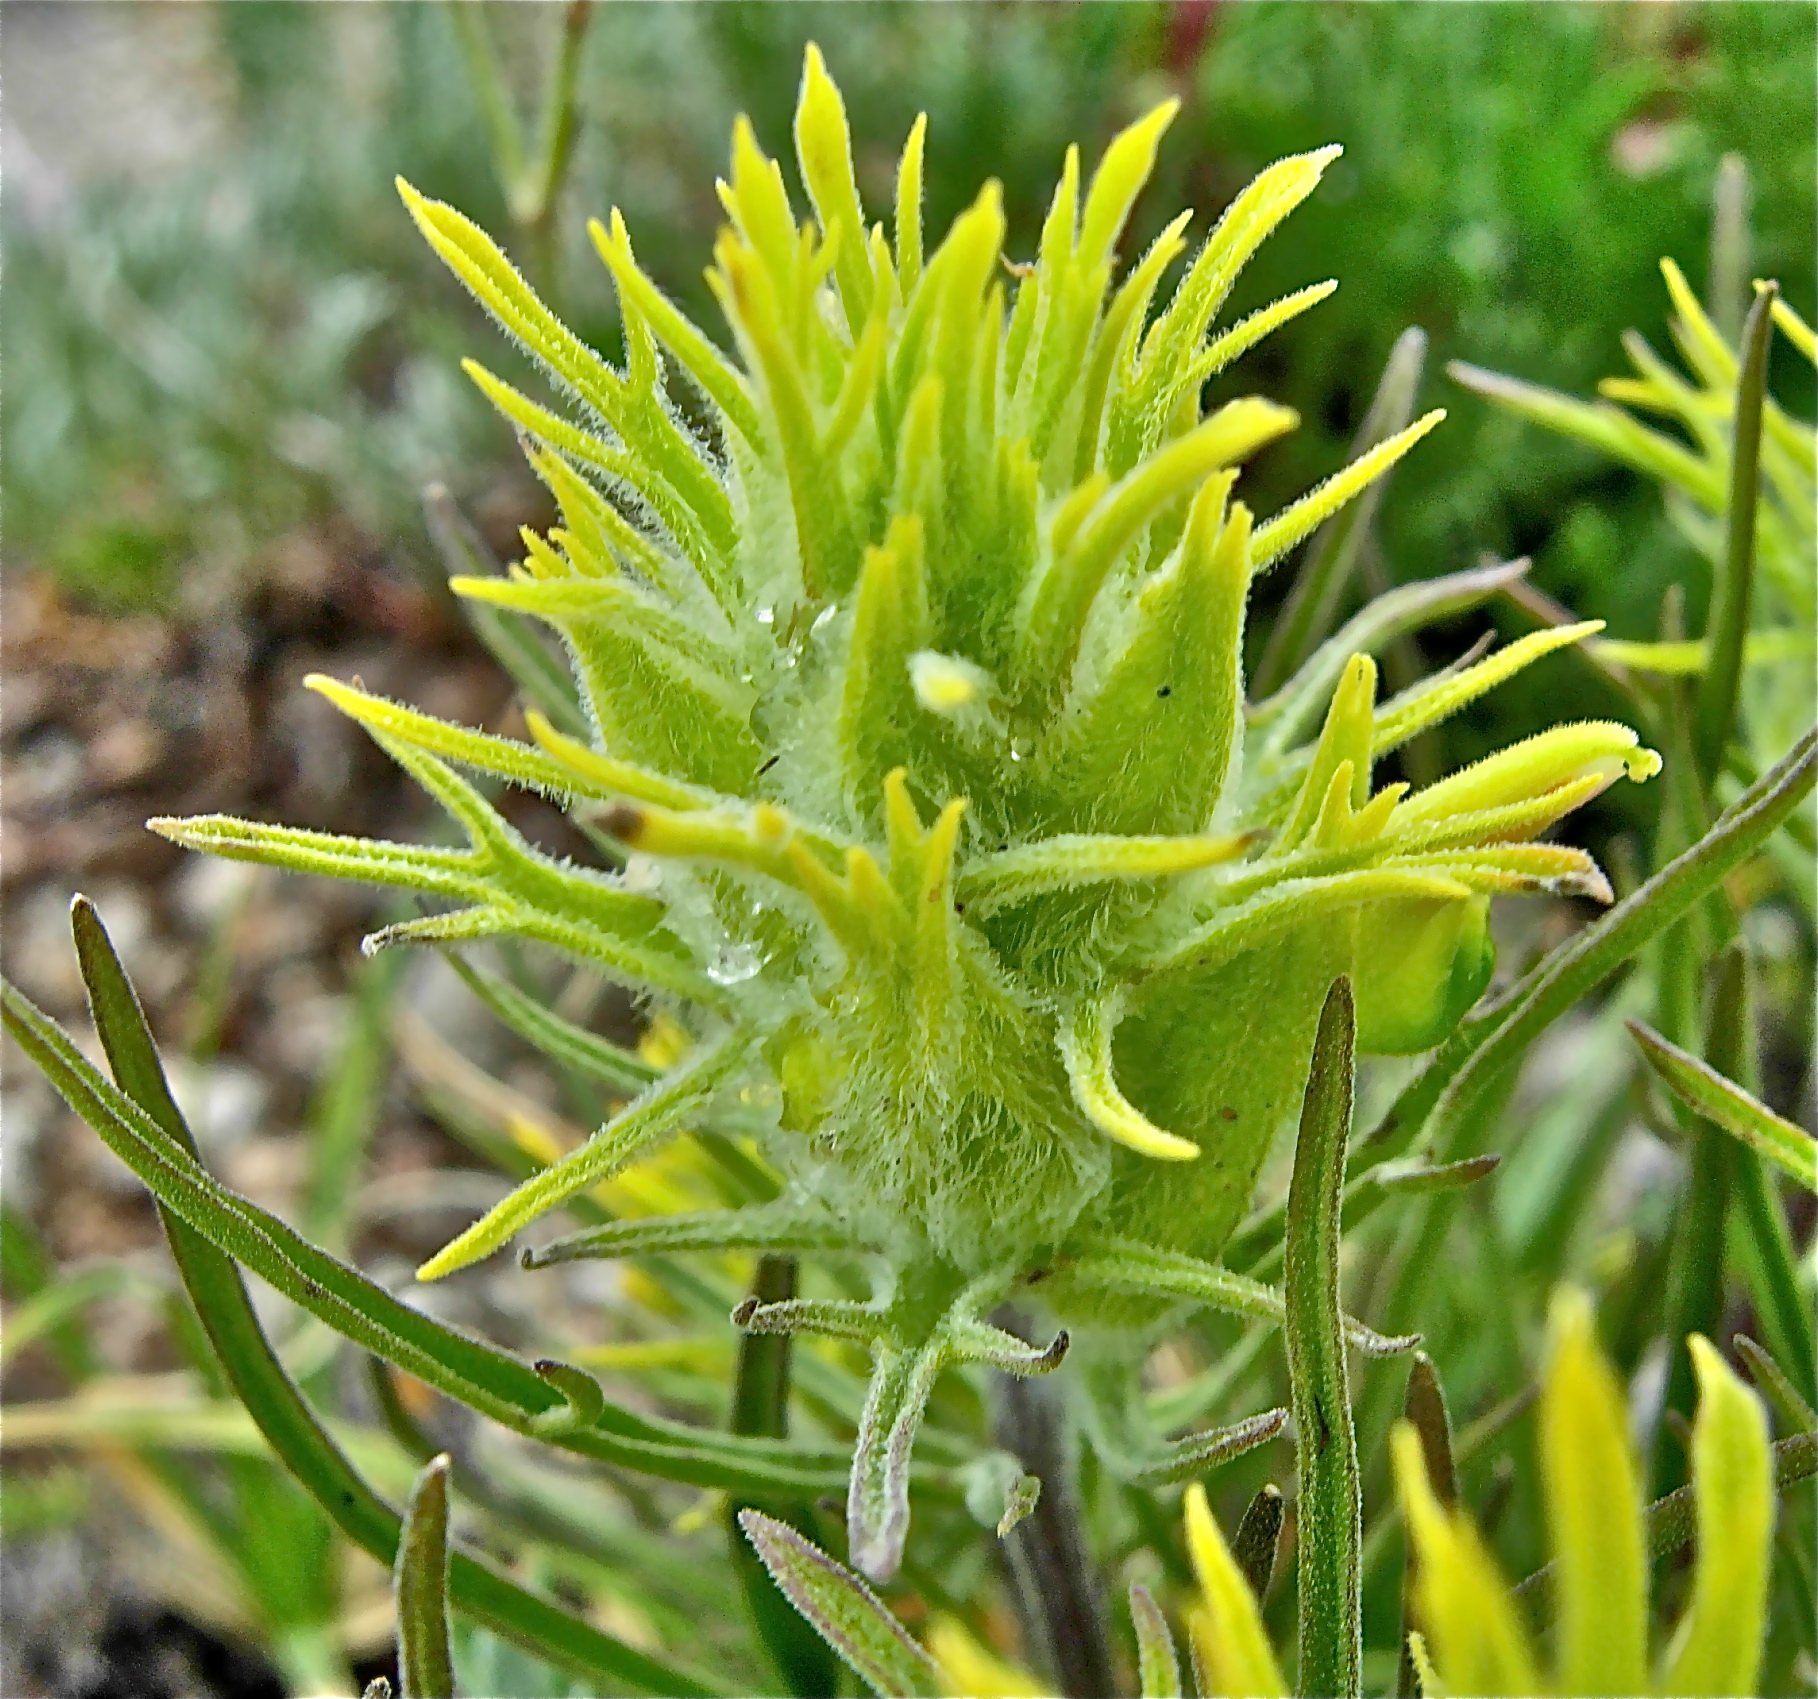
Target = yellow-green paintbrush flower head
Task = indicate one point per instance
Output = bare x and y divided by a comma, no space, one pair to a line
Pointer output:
913,694
907,648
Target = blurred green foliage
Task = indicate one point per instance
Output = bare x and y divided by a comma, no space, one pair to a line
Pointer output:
1513,175
199,362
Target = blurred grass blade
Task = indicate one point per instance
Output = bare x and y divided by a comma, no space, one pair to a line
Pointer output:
1330,1532
843,1610
53,1309
1157,1662
1313,602
252,1368
513,640
346,1111
1258,1537
420,1586
1729,288
1721,1101
1733,593
477,1374
1425,1409
542,1028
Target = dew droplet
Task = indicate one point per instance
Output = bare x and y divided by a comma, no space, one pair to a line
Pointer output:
733,964
766,616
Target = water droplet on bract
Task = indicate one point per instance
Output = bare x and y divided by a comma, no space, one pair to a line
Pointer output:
766,616
733,964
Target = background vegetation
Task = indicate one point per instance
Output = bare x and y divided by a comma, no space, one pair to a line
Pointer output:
232,370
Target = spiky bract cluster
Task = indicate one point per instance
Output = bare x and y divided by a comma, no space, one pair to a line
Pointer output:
909,642
915,684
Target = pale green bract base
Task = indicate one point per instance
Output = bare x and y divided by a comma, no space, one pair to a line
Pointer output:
917,702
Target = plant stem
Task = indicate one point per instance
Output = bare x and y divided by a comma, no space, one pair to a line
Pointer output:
1054,1583
1330,1539
760,1407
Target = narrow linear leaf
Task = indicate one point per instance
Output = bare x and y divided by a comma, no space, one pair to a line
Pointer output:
1714,712
420,1586
247,1360
1157,1662
1330,1538
1721,1101
366,1313
843,1610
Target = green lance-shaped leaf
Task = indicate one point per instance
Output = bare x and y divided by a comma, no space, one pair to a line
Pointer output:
420,1587
1157,1662
475,259
1718,1646
1258,1538
1178,672
823,144
518,649
523,764
661,1110
1593,1498
464,1368
1053,616
1300,519
1707,1093
1075,859
664,695
247,1360
1714,713
1142,410
1331,1496
843,1610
